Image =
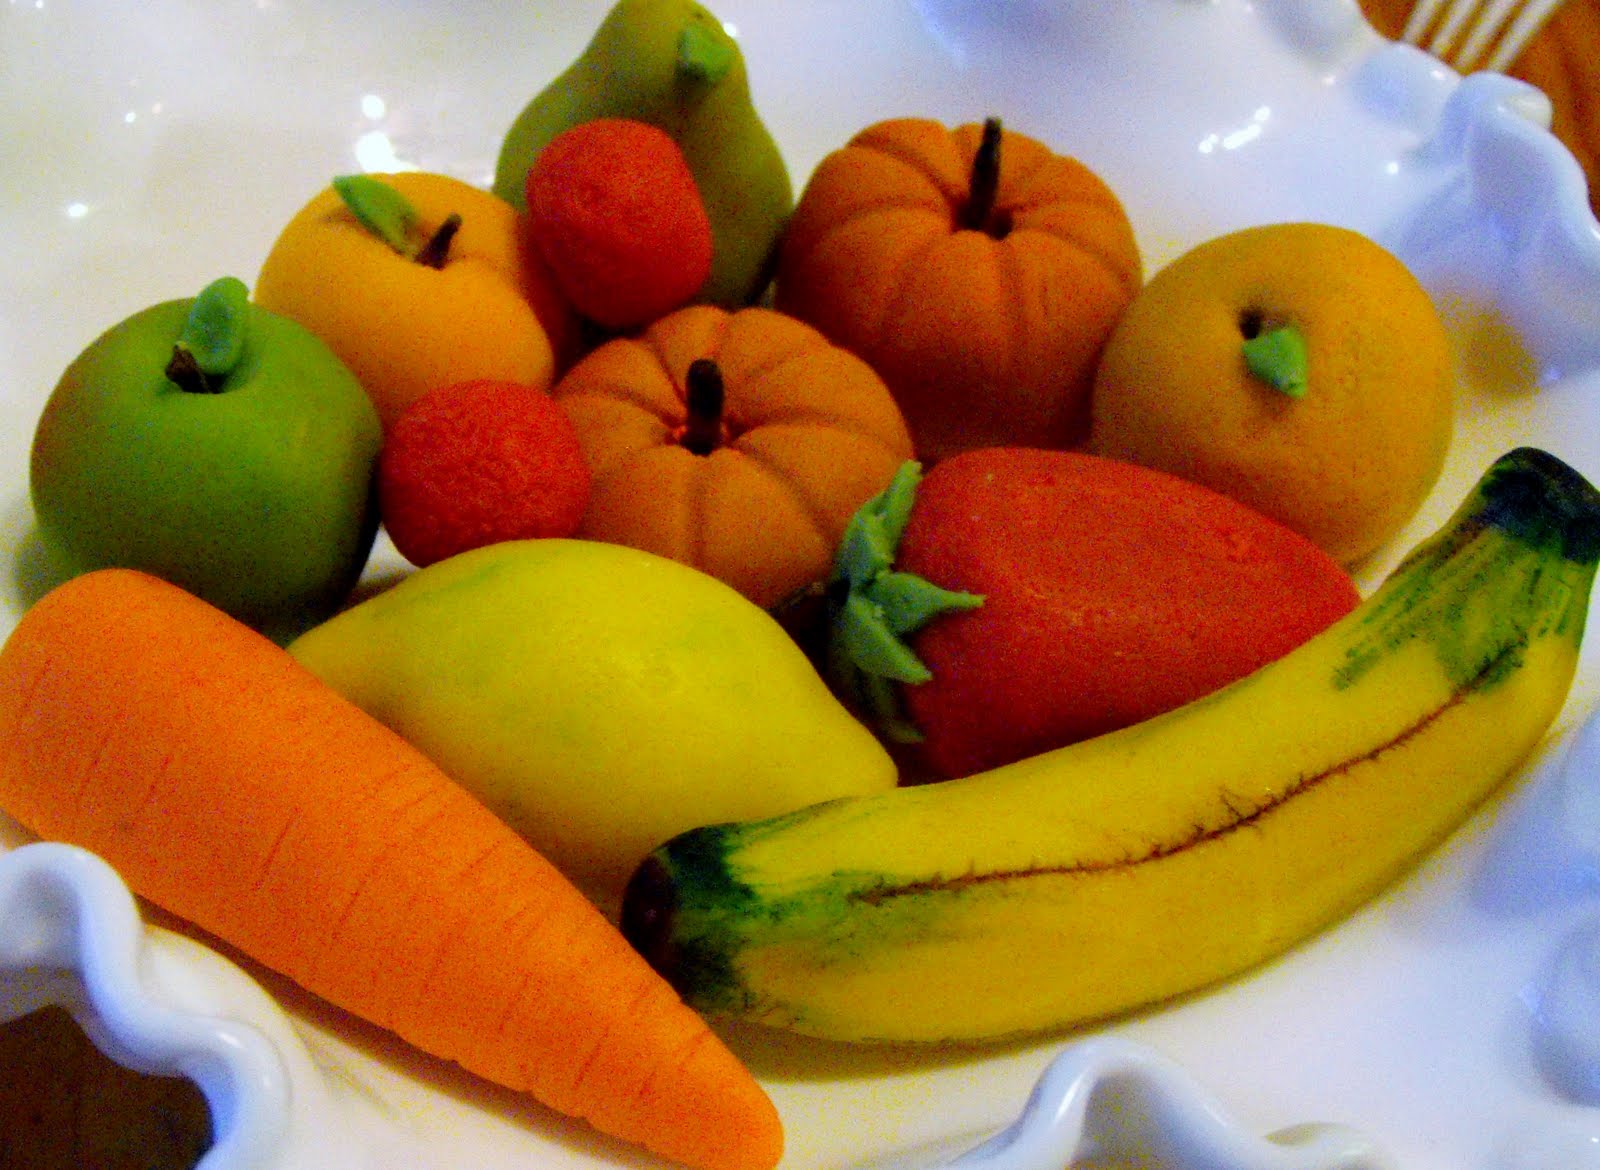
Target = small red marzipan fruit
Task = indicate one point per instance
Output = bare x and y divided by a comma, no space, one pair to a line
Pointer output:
479,462
614,211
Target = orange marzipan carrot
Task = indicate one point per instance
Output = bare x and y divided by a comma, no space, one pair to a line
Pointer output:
231,787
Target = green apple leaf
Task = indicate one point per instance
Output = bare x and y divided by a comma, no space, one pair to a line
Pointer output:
213,338
388,214
215,331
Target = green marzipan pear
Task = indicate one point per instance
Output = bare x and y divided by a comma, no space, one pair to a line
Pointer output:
672,64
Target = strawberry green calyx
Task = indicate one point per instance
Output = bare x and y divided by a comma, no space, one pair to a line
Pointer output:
387,214
1277,357
213,338
874,606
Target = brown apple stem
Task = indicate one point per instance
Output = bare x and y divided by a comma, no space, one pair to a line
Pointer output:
185,372
984,185
703,390
437,250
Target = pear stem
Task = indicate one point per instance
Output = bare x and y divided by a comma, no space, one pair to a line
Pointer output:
436,252
705,395
984,185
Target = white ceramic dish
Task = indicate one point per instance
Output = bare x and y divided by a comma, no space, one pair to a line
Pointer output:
145,149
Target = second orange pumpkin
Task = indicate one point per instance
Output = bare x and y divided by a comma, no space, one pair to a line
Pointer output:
739,443
977,271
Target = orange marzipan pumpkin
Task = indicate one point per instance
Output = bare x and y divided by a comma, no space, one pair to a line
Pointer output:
788,436
981,282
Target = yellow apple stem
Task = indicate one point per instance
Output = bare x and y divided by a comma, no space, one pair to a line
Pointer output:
1277,356
436,252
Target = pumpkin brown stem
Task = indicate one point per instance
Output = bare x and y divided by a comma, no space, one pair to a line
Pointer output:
437,250
984,185
702,434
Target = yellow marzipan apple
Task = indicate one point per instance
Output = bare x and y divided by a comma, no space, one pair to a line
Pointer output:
417,308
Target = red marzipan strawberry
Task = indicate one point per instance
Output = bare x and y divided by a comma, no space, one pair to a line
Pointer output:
613,210
476,462
1018,600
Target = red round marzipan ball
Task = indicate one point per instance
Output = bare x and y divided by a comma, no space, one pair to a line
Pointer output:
478,462
614,211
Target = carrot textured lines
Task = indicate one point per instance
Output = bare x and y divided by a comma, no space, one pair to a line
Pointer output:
231,787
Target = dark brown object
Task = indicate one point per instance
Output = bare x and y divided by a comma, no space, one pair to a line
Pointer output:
64,1105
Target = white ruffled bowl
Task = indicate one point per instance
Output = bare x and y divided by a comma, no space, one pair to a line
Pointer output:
173,139
157,1002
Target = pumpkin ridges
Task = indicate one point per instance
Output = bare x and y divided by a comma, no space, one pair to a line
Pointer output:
699,483
629,428
909,294
1061,178
694,332
1080,273
849,296
812,434
1012,274
761,460
774,390
1010,263
925,148
752,333
1127,281
614,496
867,183
911,326
858,478
750,560
1094,224
627,370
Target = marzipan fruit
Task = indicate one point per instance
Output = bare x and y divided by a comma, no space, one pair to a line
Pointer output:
1158,859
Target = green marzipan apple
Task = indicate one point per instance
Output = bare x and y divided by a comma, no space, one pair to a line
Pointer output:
220,446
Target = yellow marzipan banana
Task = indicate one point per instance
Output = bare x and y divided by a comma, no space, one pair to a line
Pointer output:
1155,860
